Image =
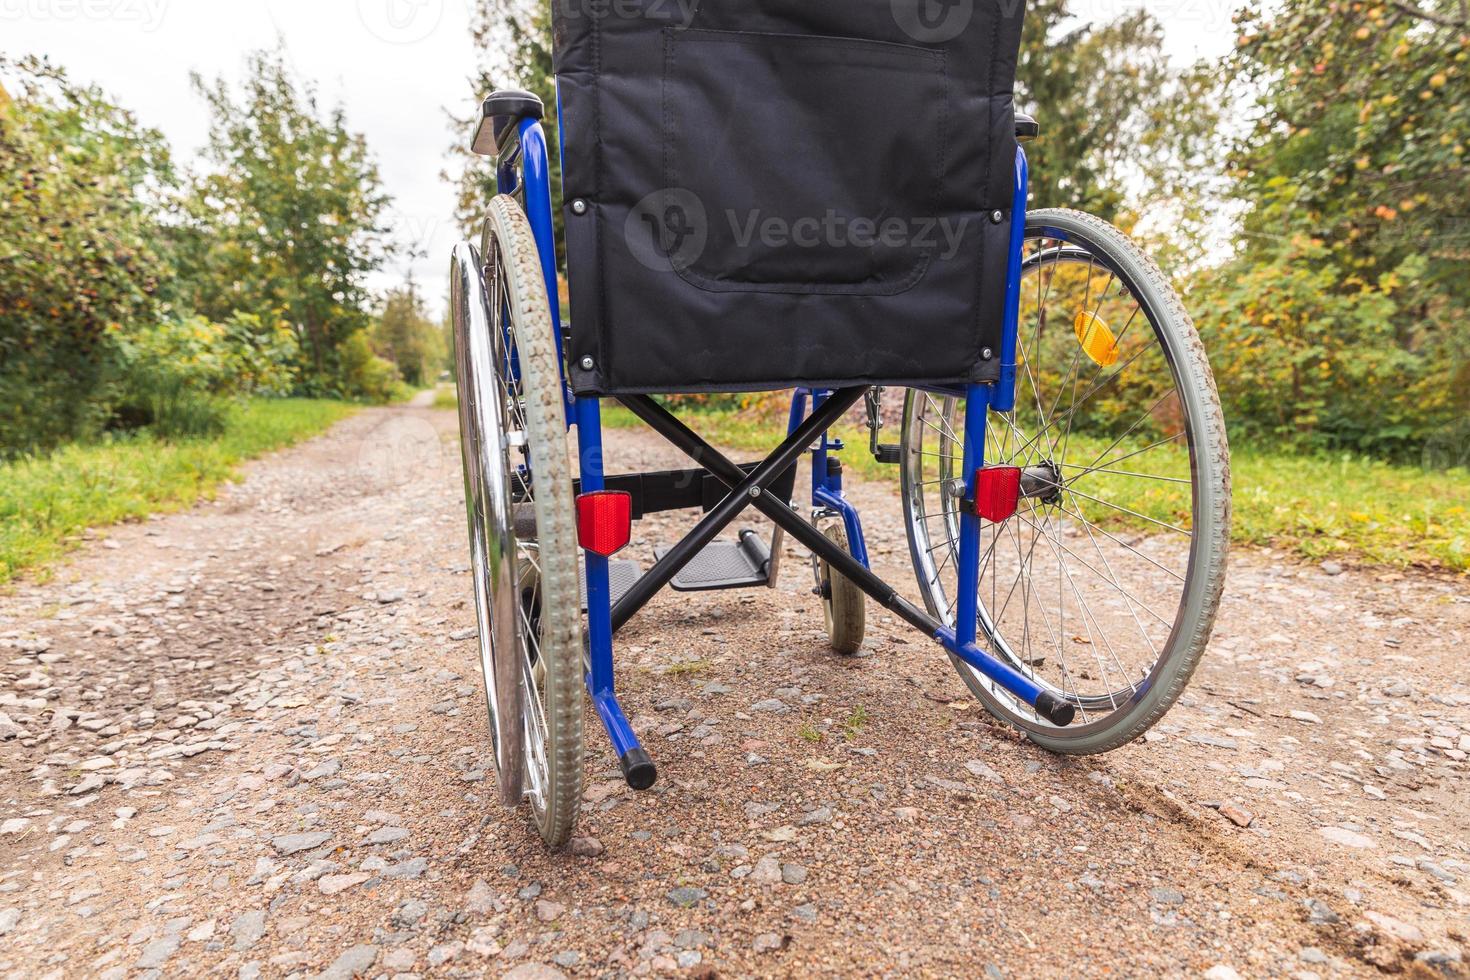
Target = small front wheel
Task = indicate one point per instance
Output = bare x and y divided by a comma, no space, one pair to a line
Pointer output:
522,521
1103,588
842,601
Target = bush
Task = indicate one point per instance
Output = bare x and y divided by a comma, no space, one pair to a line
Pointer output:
79,207
178,377
364,375
1313,358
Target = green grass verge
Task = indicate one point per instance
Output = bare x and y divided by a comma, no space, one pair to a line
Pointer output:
46,502
446,398
1316,507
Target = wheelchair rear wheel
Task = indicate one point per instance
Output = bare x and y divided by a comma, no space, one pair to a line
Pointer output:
523,538
1104,587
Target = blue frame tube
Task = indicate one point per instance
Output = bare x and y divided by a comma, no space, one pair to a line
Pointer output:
827,487
586,414
1004,397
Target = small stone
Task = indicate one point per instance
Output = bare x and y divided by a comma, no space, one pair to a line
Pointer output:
534,971
767,871
1332,568
335,884
687,896
247,929
387,835
1345,837
482,942
444,952
548,911
157,953
15,825
481,899
822,814
1311,954
407,870
587,847
1397,928
774,706
1306,716
288,844
1167,896
767,942
1222,971
353,963
322,770
9,919
793,874
1239,816
977,768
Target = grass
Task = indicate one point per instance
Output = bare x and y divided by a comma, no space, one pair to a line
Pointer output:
47,502
445,397
1316,507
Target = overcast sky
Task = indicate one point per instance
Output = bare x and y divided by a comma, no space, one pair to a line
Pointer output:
397,65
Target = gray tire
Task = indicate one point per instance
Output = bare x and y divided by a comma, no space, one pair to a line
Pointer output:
533,664
1176,629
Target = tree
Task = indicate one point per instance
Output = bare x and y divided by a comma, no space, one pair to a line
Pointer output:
1125,135
287,226
405,335
81,198
514,39
1358,144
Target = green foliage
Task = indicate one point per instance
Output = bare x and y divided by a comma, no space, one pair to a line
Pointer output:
514,39
405,335
288,224
1343,322
363,373
79,203
1125,135
46,502
177,377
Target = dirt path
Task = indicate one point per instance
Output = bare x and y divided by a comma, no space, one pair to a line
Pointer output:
249,740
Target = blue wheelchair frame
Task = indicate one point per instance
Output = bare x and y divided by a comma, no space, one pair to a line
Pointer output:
524,169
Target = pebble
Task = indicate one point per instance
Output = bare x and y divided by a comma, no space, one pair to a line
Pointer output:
773,706
548,911
1237,815
767,871
387,835
979,769
9,919
585,846
289,844
354,962
793,874
336,884
687,896
1345,837
1222,971
247,929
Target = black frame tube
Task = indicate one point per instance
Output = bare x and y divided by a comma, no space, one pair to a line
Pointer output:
739,498
686,439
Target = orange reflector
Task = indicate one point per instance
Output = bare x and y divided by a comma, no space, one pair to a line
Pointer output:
605,521
998,492
1096,339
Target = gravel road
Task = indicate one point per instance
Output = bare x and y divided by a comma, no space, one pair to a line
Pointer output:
250,740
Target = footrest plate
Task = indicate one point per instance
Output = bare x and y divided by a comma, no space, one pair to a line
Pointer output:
621,575
738,564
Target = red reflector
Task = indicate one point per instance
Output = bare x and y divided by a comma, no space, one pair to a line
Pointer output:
997,492
605,521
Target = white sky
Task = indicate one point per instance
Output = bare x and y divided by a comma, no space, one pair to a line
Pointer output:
397,65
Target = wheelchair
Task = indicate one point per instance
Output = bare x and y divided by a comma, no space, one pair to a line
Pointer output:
827,199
